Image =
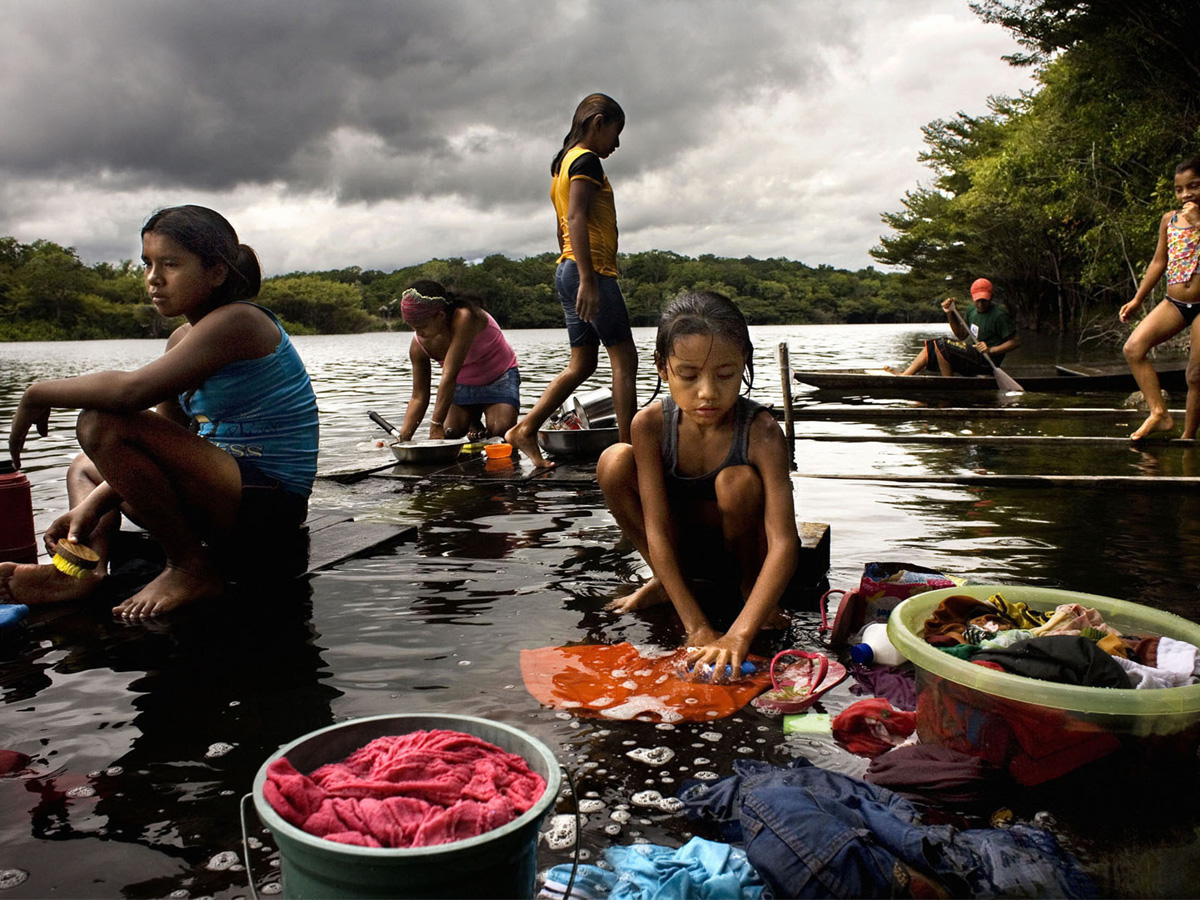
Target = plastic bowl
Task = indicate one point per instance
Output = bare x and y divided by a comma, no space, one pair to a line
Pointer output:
498,451
1042,729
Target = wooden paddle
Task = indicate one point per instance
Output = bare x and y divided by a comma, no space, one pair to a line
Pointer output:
1004,381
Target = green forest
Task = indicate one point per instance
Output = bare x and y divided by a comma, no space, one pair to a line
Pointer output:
1054,195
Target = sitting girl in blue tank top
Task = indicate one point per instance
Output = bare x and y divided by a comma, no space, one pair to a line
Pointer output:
705,485
231,371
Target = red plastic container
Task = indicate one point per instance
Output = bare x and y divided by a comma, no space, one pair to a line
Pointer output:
17,540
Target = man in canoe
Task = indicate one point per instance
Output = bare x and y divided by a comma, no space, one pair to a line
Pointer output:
983,328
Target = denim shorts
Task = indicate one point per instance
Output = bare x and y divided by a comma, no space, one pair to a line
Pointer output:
505,389
611,323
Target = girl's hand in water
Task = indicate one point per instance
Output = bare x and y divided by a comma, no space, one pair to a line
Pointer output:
709,647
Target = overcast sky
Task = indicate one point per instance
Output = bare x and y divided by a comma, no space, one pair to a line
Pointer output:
382,134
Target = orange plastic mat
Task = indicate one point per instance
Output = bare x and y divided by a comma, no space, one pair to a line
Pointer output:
615,681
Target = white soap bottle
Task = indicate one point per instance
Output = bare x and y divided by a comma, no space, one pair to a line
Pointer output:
875,649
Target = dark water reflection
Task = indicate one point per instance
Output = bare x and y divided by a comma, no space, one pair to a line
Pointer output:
144,739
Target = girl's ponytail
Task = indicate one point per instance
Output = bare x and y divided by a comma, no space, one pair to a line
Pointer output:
245,276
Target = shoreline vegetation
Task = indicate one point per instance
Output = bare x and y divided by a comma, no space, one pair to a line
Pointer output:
47,293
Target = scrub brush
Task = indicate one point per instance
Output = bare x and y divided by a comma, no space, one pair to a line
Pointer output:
74,559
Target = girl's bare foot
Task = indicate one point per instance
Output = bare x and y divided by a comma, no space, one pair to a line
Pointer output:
173,588
32,584
1155,422
649,594
527,445
891,371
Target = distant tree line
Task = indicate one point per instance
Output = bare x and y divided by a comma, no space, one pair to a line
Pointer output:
1056,195
47,293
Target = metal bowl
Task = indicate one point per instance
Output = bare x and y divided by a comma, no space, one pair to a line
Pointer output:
427,452
578,442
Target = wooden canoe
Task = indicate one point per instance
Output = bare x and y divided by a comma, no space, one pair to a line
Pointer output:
1073,379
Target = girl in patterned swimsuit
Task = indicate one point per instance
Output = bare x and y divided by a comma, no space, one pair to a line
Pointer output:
706,478
1177,255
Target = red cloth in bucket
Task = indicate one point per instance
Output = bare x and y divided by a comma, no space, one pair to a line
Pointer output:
615,681
412,790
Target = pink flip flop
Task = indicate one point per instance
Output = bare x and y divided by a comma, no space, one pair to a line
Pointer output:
799,684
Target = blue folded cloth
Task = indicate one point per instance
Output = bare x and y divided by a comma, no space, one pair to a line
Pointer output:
699,870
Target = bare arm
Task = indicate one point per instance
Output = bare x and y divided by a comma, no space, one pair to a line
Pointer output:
578,205
1004,346
646,430
768,454
227,334
466,325
958,325
1154,272
419,402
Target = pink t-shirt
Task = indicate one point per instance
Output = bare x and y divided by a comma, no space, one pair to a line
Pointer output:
490,356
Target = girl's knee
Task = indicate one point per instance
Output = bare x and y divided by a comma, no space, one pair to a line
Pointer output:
95,427
1192,375
616,468
739,493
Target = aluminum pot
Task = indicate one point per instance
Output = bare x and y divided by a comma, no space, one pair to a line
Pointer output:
595,408
586,442
427,452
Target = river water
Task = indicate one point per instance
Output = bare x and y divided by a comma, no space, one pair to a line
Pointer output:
144,738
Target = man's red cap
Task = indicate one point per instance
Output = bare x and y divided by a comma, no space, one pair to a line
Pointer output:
981,287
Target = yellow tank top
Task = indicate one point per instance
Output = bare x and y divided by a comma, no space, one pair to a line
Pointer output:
602,214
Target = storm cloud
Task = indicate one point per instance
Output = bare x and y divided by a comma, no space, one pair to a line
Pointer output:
383,133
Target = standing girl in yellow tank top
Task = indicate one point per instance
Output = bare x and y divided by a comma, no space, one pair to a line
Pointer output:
586,277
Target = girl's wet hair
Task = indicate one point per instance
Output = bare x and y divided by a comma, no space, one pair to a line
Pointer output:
1191,164
589,107
209,235
454,298
705,313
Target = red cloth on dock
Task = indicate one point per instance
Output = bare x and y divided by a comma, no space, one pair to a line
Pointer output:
411,790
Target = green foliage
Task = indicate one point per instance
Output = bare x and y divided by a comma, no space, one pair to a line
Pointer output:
317,305
46,293
1056,195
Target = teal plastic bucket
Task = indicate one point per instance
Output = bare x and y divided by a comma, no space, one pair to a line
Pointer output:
500,863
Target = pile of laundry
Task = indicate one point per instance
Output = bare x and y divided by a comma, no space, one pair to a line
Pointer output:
1071,645
411,790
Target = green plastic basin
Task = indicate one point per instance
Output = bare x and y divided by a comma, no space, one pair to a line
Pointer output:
1040,730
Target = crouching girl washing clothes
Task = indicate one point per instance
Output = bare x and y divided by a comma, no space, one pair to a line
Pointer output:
479,391
227,455
704,489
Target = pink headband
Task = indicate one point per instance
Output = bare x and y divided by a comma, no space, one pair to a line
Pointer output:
416,307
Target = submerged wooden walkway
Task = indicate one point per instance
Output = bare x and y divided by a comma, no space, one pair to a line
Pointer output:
477,469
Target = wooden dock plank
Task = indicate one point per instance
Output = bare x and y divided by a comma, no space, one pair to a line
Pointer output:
843,413
345,539
1009,439
815,542
1093,482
